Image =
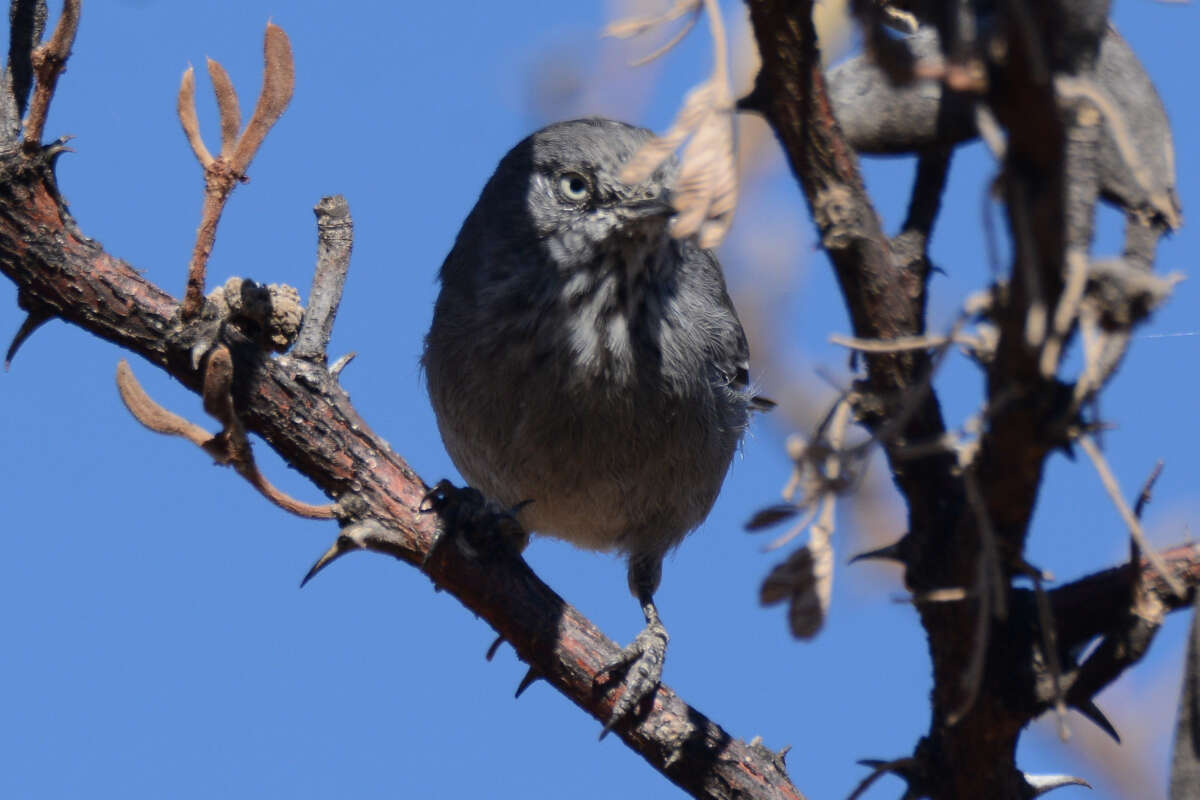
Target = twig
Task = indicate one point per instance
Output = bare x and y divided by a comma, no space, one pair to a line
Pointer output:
335,238
989,551
340,364
914,399
223,173
901,344
1143,498
185,107
972,679
1050,647
27,20
230,447
879,769
1131,521
1025,253
1066,311
49,60
625,29
151,414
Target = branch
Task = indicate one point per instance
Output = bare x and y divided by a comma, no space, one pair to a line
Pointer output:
298,408
885,301
49,60
27,20
335,237
1028,410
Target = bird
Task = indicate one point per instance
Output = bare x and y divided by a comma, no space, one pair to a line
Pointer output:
586,368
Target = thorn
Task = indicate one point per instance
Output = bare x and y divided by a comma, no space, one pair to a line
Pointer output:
340,364
1034,573
1040,784
892,552
753,101
342,545
56,148
1143,498
783,753
1090,710
33,321
491,651
198,352
903,768
531,676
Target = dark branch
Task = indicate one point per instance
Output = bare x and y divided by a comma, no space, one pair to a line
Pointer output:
27,20
298,408
1029,412
49,60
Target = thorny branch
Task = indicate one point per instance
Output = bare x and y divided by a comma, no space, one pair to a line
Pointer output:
297,407
968,518
295,404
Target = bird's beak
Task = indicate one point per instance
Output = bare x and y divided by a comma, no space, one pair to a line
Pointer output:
649,207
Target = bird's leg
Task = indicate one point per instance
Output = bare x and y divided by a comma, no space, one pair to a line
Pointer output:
470,520
642,659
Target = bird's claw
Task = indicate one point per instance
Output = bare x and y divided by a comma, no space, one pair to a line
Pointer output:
642,662
469,519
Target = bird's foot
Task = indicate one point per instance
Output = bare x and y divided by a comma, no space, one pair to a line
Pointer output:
642,662
470,520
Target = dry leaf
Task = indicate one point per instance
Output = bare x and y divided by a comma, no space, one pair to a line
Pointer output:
805,580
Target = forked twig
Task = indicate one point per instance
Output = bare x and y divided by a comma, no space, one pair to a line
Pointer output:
49,60
879,769
627,28
225,171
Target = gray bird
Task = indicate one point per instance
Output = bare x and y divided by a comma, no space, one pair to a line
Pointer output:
583,362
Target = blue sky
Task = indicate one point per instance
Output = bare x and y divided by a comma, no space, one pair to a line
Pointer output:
155,641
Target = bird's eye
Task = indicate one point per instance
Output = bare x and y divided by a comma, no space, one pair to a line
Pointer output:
574,187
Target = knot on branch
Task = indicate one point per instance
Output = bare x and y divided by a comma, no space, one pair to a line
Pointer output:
268,314
838,216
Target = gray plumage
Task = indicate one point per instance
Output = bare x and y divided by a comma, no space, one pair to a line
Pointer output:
878,117
581,359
